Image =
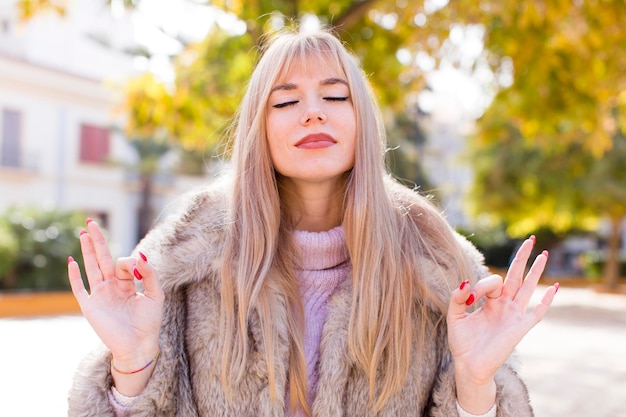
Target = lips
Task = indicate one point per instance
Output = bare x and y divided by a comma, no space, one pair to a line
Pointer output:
315,141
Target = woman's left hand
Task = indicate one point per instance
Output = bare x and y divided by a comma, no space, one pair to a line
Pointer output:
481,341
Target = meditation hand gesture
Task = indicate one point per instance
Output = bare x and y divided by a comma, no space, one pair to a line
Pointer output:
127,322
481,341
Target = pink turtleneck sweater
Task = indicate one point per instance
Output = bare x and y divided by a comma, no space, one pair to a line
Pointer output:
324,265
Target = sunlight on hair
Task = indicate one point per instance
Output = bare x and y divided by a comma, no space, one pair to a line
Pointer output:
310,23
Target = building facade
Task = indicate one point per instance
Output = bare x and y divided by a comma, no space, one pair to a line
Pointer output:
60,140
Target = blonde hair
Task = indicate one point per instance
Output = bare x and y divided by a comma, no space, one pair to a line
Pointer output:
385,241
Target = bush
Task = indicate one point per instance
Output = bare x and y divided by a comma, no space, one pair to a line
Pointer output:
44,239
593,264
9,248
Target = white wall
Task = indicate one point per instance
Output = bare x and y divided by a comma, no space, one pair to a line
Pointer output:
58,79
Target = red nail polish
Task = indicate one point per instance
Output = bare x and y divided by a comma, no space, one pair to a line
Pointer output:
143,257
83,231
89,220
137,274
70,260
470,300
533,238
556,287
463,284
545,252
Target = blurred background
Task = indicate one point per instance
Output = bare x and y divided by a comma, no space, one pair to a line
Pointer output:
511,115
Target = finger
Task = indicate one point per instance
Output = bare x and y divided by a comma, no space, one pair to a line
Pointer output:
517,268
125,267
103,254
457,306
92,269
76,281
152,286
541,309
532,278
490,286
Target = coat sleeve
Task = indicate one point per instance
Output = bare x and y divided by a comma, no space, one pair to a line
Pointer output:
511,397
168,392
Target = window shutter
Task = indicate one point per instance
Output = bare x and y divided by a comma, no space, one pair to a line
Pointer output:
94,144
10,152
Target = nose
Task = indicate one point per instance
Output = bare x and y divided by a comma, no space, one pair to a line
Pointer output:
312,115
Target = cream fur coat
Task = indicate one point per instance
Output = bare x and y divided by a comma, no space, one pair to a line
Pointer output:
183,250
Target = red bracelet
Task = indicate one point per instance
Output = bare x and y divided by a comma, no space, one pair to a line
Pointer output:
138,370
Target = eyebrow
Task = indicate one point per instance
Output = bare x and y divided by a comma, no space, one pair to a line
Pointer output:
325,82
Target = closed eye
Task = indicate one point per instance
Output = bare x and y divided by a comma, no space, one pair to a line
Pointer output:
285,104
336,98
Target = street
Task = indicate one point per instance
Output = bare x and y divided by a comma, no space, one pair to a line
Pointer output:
573,362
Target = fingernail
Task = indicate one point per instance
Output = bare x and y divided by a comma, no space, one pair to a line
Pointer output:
143,257
545,252
556,287
533,238
137,274
463,284
83,231
470,300
70,260
89,220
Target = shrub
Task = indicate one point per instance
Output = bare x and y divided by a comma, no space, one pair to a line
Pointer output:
593,263
44,239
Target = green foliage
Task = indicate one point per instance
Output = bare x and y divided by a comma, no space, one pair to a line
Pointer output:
210,82
568,60
9,247
525,185
44,238
196,111
593,263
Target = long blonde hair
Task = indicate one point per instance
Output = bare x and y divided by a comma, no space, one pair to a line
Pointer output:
385,241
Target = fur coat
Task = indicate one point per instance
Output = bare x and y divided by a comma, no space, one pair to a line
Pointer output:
183,249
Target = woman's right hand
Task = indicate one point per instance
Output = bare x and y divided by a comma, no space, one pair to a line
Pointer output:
128,322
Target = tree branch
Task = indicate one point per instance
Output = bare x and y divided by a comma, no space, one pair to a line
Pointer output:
353,14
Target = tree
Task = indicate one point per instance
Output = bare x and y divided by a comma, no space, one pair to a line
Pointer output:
548,151
567,58
525,186
556,71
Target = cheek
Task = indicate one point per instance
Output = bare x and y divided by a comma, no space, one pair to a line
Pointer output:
275,150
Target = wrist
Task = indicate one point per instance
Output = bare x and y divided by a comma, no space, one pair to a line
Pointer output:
132,373
475,396
136,361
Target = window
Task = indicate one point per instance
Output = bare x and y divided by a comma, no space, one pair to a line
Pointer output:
10,148
94,143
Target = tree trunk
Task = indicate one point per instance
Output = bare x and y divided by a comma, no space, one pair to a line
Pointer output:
145,213
612,266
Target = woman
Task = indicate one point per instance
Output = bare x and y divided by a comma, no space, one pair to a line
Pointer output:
305,281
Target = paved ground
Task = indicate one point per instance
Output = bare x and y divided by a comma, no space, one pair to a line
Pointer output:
574,362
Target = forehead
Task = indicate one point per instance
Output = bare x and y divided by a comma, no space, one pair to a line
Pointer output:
312,65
